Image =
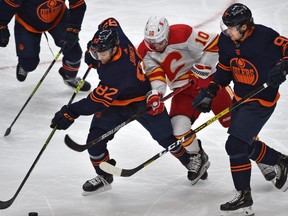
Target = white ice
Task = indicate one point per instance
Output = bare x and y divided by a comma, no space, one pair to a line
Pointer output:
54,186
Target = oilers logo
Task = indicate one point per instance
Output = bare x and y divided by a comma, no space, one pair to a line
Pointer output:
49,10
244,71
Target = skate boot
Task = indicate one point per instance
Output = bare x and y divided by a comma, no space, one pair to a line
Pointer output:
268,171
98,184
240,205
281,170
198,165
73,82
21,74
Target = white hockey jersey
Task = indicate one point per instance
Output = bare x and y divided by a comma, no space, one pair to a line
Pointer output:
186,46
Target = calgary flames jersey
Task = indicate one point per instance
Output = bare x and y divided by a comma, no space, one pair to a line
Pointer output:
186,46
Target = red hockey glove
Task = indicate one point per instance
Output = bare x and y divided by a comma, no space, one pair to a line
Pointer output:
153,100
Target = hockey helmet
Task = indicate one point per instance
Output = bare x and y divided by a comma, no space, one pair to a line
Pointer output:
104,39
237,15
156,30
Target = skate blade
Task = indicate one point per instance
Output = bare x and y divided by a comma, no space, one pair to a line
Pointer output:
203,170
247,211
285,187
100,190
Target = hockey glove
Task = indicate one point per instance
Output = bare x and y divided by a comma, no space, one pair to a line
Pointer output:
278,73
4,35
71,37
203,100
63,118
153,100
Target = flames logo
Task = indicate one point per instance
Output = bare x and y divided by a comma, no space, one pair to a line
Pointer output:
244,71
49,10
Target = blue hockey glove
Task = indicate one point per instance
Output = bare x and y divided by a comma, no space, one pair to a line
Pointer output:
63,118
203,100
278,73
71,37
4,35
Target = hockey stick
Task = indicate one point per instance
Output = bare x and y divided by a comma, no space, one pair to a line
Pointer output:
129,172
33,92
81,147
6,204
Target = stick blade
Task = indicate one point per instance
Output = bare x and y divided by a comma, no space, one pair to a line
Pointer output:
109,168
73,145
6,204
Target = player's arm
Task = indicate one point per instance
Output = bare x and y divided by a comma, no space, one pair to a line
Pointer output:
77,11
205,43
96,102
279,71
7,10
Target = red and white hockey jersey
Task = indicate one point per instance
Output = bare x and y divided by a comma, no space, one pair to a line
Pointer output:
186,46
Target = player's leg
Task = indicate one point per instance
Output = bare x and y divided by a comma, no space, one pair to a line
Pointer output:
27,49
71,59
101,123
221,102
182,118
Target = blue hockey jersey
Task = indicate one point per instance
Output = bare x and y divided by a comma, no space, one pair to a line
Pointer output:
122,80
41,15
249,62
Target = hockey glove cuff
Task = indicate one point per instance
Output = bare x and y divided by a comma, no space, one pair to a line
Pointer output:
203,100
71,37
153,100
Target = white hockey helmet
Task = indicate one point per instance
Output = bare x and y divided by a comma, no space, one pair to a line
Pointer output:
156,30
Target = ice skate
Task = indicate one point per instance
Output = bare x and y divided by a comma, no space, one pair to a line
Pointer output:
241,205
268,171
98,184
197,166
73,82
281,170
21,74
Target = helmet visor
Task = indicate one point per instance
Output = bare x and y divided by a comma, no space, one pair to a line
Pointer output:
224,28
154,45
93,52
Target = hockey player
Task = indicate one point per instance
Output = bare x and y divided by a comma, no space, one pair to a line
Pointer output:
249,55
123,90
35,17
174,55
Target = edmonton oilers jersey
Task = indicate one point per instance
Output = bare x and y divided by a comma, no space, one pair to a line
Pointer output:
249,63
122,80
41,15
